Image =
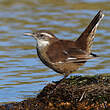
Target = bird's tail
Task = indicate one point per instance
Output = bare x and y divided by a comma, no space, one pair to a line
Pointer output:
86,38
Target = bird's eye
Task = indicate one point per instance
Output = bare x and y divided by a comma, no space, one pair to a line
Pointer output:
41,35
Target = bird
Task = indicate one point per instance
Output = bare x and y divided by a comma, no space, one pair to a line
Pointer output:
66,56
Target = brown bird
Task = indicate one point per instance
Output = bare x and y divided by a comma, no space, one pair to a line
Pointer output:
66,56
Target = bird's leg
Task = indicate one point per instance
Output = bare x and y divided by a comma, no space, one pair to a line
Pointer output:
57,84
66,75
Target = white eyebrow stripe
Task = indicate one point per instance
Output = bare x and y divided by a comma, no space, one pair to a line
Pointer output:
47,34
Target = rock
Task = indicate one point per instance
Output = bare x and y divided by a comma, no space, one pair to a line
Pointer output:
75,93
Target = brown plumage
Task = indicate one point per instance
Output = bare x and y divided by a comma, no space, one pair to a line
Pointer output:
66,56
86,38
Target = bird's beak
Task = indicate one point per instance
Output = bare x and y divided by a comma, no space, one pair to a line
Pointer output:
28,34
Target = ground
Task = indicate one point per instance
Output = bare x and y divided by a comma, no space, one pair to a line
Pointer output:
74,93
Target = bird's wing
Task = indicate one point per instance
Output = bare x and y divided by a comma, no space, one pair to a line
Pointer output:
76,55
62,52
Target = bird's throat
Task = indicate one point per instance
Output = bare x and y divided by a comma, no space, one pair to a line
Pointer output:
42,43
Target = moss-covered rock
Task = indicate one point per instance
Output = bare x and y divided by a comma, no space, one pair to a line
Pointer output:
75,93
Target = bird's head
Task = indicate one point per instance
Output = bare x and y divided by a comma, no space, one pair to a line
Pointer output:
43,37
